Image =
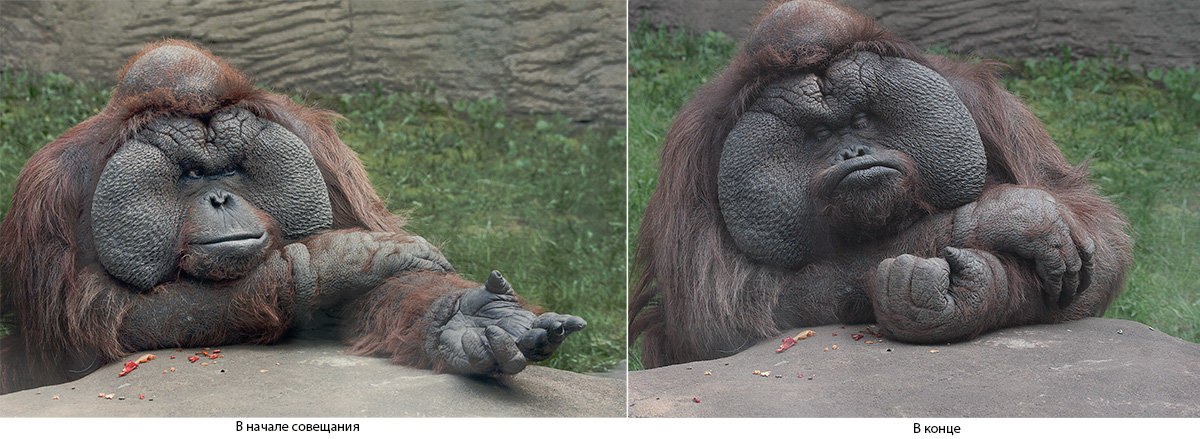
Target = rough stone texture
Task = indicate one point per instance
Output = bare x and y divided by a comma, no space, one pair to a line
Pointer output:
1157,33
1088,368
313,379
541,56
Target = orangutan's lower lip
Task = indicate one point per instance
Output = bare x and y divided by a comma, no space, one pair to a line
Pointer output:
863,172
230,241
869,176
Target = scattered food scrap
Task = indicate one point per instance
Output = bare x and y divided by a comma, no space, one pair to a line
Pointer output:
55,397
696,400
787,343
799,375
856,337
708,372
834,347
145,358
933,351
262,371
872,331
172,357
141,396
193,359
791,341
129,367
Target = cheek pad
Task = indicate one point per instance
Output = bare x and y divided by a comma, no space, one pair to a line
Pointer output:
764,175
763,192
137,214
137,211
286,183
923,118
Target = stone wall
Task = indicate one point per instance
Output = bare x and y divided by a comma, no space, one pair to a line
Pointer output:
542,56
1157,33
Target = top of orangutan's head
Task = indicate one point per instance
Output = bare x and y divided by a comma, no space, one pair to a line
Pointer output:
179,76
806,27
807,34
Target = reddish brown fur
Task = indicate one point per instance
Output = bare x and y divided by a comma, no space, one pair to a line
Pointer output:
698,297
405,312
69,310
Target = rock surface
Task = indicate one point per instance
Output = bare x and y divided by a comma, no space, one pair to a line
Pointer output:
542,56
312,379
1088,368
1157,33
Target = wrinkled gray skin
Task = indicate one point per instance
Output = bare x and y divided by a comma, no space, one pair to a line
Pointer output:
186,206
850,121
177,168
496,334
852,178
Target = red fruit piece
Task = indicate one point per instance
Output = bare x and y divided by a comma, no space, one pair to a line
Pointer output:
696,400
856,336
786,343
193,359
129,367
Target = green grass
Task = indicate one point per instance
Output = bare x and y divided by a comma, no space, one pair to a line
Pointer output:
665,69
539,198
1139,131
1140,134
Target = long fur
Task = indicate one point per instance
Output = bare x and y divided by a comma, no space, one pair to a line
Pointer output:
67,309
696,295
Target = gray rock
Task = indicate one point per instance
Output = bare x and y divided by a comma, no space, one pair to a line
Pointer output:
1158,33
1088,368
312,379
541,56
